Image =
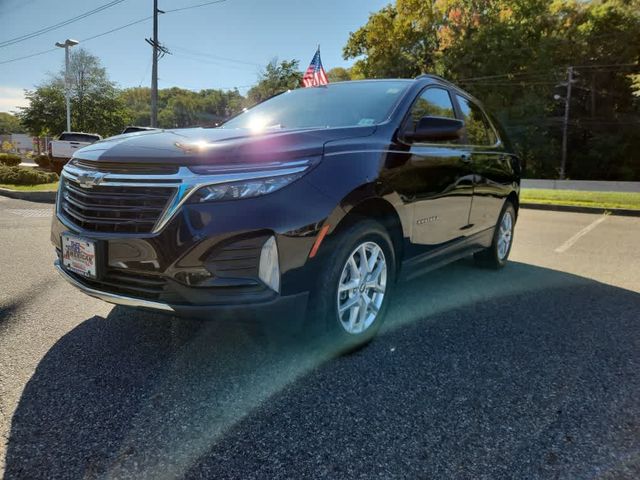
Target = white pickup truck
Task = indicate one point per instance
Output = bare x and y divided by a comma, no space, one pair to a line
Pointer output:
62,149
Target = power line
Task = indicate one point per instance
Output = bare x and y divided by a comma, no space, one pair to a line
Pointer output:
550,72
50,28
195,6
135,22
515,83
508,75
213,57
115,29
88,39
146,71
28,56
634,64
211,62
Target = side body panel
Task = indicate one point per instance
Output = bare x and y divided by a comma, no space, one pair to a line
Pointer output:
495,179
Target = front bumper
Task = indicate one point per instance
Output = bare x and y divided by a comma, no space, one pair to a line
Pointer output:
281,307
205,260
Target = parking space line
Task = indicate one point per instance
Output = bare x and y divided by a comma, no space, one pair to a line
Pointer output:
569,243
32,212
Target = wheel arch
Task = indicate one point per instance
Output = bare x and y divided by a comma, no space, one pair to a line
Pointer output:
382,211
515,201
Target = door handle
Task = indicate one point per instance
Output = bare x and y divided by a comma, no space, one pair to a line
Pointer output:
465,158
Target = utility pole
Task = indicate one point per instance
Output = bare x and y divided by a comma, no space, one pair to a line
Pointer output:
158,52
565,131
154,68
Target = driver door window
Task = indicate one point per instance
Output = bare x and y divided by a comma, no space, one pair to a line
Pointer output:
433,102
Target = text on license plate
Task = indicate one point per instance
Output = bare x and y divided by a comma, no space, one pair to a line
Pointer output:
79,255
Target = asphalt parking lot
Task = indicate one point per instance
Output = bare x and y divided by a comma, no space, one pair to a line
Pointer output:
531,372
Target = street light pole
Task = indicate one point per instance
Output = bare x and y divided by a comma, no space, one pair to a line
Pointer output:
565,130
66,45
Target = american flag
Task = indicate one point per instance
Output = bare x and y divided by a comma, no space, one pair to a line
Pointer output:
315,74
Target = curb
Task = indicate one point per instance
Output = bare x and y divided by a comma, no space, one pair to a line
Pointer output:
41,197
570,208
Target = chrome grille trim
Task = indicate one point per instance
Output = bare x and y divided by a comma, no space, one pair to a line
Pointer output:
184,182
128,169
110,209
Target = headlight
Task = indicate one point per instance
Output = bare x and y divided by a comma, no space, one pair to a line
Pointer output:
242,189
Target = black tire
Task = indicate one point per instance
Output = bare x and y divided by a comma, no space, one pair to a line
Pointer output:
491,257
323,317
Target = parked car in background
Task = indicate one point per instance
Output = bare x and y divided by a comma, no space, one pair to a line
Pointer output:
134,128
62,149
311,204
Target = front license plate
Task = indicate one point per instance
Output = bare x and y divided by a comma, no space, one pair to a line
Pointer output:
79,255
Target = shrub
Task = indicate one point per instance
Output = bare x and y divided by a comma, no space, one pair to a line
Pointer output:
25,176
10,159
42,161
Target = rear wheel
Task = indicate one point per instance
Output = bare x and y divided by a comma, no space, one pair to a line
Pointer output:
497,254
352,296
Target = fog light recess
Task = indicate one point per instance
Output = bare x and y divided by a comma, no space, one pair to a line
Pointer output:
269,271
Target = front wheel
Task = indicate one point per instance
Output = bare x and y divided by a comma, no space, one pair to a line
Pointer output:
352,296
497,254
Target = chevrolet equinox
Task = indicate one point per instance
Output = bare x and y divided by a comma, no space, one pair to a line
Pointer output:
312,204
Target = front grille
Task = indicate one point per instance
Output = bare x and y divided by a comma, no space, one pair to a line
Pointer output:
107,209
125,168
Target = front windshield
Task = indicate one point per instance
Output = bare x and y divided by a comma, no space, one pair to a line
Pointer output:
338,105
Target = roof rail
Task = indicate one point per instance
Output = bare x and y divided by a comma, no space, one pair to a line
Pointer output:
434,76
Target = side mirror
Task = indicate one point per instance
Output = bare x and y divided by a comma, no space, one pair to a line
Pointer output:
431,129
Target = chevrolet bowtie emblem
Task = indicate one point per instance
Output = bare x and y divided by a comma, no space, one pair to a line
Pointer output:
89,180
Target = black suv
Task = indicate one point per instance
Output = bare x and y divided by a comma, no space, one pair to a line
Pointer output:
316,201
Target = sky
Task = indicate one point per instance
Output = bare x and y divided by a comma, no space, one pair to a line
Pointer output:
222,45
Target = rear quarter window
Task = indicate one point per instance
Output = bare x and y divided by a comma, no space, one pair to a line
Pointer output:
479,130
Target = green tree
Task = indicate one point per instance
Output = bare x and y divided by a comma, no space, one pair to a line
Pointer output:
46,113
10,124
339,74
215,106
635,84
137,101
276,78
513,55
95,103
178,107
398,41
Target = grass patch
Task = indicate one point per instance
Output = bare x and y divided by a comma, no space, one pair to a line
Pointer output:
43,187
628,200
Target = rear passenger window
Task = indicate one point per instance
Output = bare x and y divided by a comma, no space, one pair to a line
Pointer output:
78,137
479,130
433,102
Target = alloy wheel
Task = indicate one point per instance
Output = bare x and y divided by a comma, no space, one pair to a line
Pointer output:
362,287
505,235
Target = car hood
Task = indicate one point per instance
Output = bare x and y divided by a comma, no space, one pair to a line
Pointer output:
216,146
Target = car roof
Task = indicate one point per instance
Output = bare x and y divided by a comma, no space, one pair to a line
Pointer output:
81,133
425,79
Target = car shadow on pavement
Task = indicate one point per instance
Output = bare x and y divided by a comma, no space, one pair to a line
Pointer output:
522,373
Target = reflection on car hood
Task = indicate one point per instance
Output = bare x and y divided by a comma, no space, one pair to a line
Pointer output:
217,146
